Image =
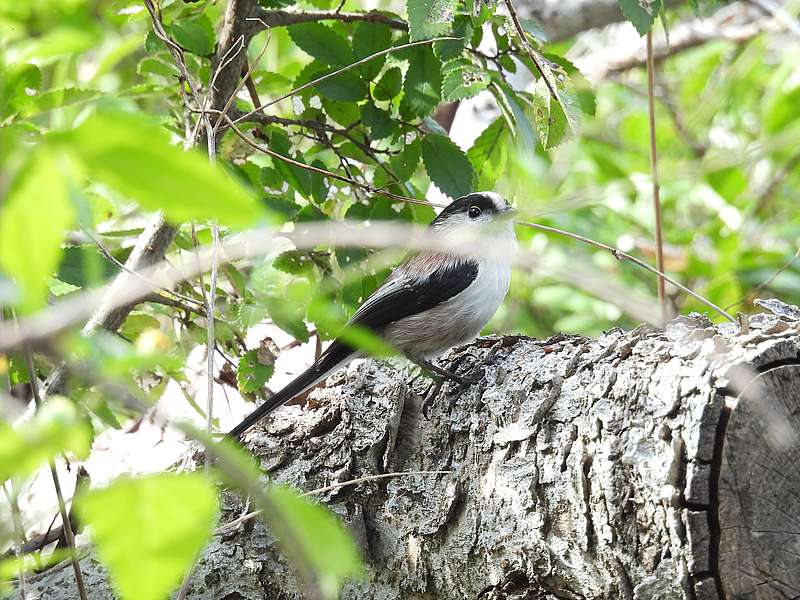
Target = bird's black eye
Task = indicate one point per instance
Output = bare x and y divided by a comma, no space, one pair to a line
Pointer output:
474,212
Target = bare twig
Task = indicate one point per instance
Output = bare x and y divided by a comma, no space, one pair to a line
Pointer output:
16,517
231,525
341,70
212,292
619,255
651,108
777,12
62,507
766,283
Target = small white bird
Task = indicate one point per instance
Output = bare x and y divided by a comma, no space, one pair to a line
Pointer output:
430,303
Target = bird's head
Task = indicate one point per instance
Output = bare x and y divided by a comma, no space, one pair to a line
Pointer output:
480,211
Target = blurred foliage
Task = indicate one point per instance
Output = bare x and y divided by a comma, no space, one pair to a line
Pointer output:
92,119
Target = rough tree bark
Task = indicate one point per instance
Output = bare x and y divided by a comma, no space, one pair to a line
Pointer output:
649,464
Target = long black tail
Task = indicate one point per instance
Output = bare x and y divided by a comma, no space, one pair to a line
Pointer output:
334,357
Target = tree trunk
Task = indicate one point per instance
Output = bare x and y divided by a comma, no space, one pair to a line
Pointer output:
650,464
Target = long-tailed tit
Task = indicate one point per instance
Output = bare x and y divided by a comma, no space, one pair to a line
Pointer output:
430,303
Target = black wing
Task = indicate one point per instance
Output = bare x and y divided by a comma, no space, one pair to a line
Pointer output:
400,296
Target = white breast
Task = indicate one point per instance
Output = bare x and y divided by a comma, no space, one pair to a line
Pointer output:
458,320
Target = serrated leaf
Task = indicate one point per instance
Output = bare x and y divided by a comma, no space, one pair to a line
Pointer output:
322,43
251,375
33,220
195,35
163,520
641,13
118,149
368,39
429,18
323,544
389,85
422,85
462,80
488,154
452,49
447,165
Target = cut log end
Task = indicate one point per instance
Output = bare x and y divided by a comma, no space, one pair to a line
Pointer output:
759,489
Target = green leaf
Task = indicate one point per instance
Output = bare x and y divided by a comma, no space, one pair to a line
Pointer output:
16,85
195,35
488,154
379,121
322,543
55,428
462,80
781,108
642,13
447,166
429,18
33,219
85,265
322,43
344,113
389,85
451,49
368,39
347,86
520,125
423,84
56,98
404,164
129,153
251,375
163,521
551,120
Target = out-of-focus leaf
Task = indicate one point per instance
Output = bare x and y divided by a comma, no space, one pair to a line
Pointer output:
195,35
447,165
368,39
85,265
422,85
322,542
462,80
251,375
429,18
128,153
57,427
322,43
781,109
32,224
162,520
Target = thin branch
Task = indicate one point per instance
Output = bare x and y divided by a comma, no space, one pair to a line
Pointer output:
62,507
651,108
231,525
211,341
619,255
16,517
264,18
766,283
341,70
777,12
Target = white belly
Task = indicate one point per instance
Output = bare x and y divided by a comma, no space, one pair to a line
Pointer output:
455,321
